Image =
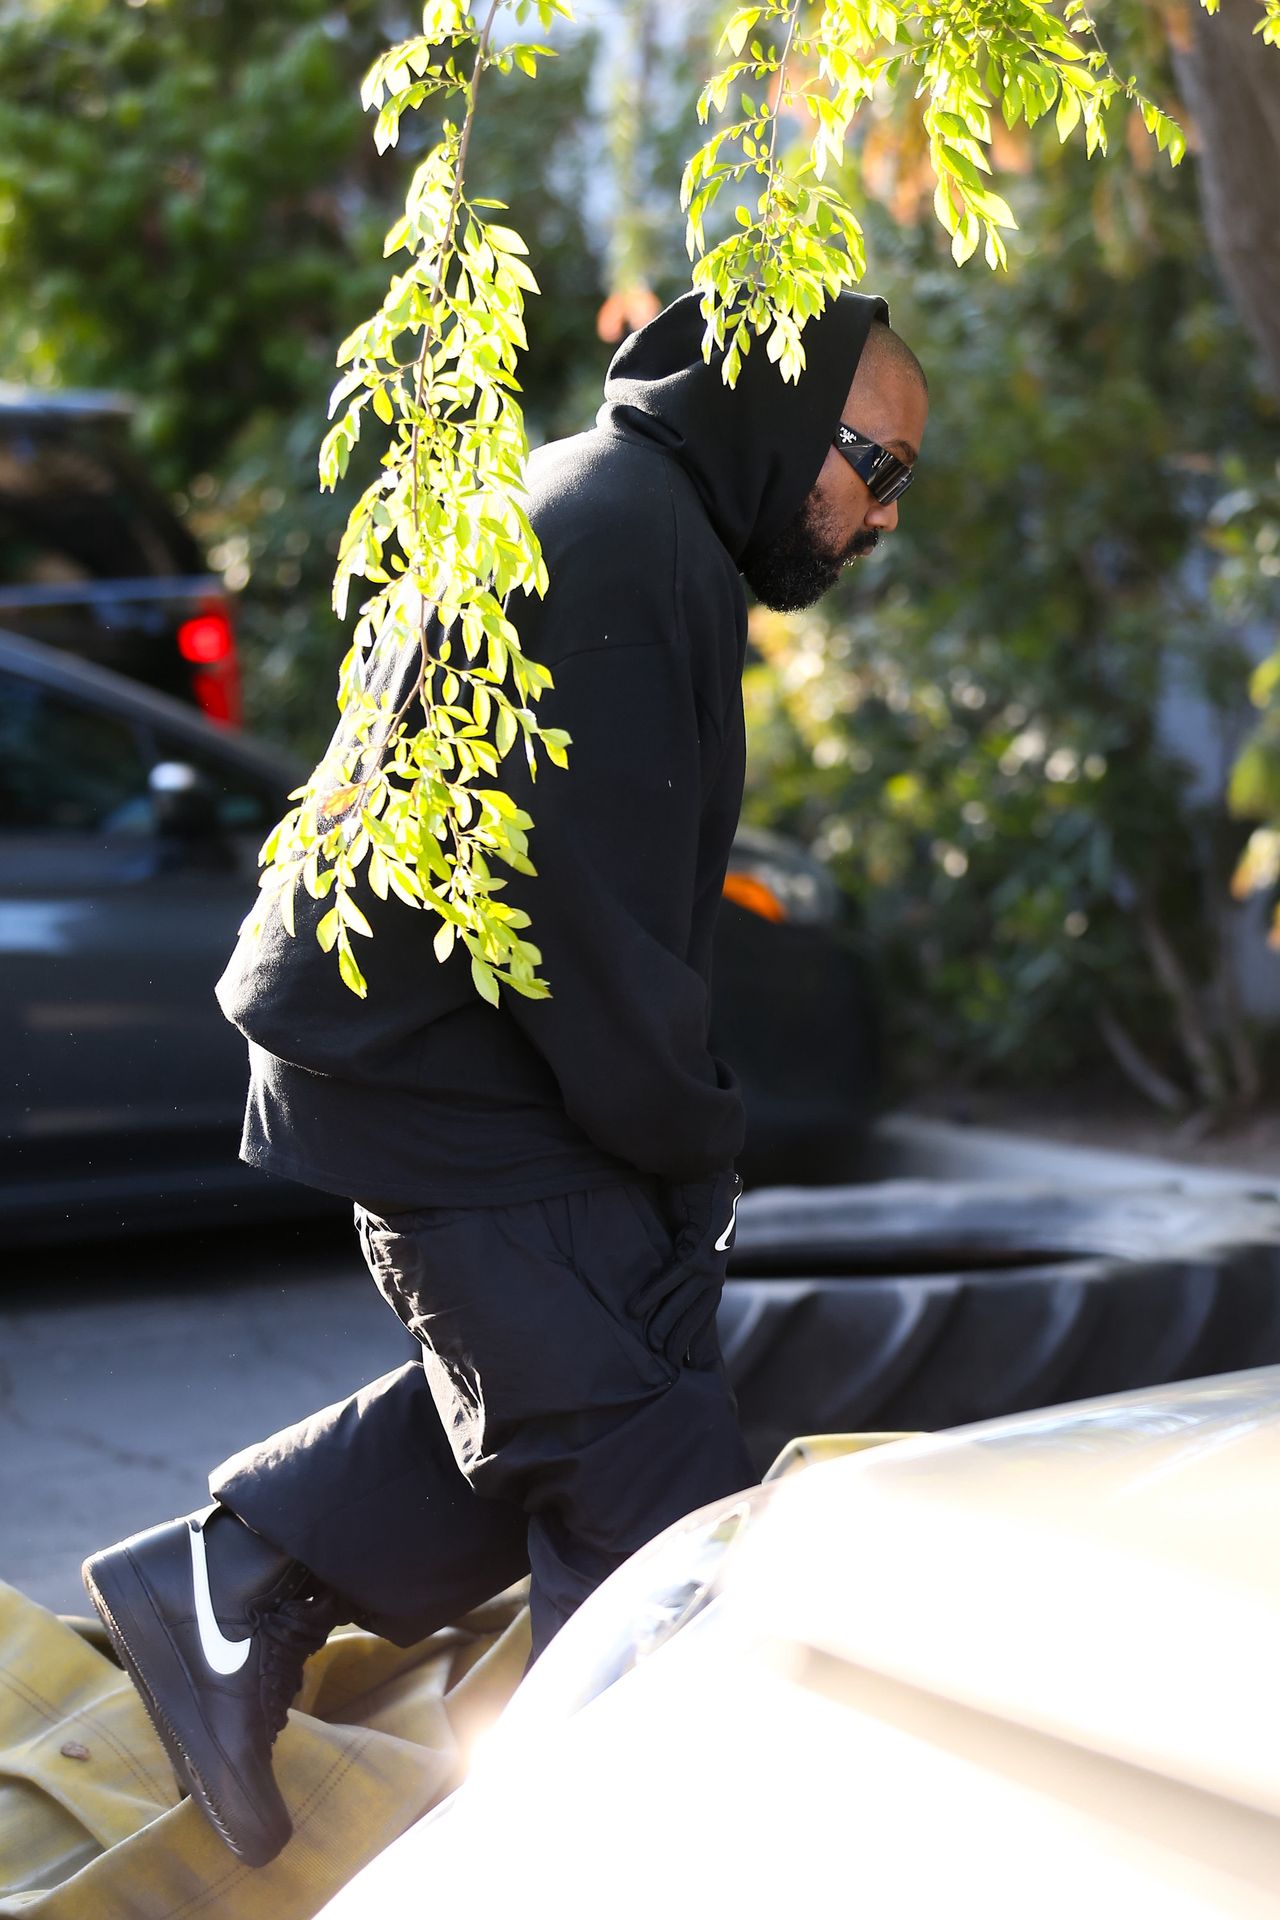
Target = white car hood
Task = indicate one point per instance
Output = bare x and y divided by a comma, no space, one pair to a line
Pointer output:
1107,1572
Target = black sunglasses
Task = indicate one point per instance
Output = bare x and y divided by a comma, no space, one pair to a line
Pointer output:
885,475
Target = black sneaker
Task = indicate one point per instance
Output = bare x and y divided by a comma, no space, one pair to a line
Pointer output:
212,1624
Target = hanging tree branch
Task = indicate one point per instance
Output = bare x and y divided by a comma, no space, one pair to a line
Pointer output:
443,537
442,534
963,58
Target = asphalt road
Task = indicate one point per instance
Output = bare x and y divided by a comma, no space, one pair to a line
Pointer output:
128,1370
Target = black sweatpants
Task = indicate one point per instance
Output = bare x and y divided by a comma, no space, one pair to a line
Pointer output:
540,1431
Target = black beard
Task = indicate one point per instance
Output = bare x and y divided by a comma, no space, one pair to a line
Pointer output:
796,567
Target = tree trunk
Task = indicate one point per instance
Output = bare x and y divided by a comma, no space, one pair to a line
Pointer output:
1231,82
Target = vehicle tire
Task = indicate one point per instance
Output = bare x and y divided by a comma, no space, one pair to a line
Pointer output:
912,1305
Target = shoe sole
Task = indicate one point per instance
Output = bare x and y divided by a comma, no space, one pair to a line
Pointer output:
123,1603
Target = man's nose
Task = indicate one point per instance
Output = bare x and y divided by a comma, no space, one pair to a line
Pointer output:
881,516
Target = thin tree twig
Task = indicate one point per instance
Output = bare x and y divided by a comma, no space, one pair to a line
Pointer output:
771,170
1197,1043
1135,1066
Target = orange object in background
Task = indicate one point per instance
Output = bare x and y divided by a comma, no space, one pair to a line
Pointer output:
625,311
753,894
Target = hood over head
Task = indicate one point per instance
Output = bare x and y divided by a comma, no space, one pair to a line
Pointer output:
754,450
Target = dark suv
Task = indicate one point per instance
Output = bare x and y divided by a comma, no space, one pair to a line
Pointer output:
129,831
94,560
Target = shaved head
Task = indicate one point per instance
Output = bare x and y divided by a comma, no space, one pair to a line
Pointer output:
886,349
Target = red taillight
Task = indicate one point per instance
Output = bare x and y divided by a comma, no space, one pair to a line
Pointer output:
208,641
219,696
206,638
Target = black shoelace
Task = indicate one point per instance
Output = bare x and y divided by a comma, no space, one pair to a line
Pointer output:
290,1629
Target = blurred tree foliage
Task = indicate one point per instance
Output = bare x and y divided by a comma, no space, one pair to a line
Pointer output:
1235,100
191,209
969,727
1245,532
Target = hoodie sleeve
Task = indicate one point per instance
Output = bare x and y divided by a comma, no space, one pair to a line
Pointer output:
616,845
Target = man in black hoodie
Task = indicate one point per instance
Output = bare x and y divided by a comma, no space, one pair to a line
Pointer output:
544,1190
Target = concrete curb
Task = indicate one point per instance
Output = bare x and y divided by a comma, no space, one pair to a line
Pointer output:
903,1147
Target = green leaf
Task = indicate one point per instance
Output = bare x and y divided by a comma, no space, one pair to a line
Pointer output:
738,27
1254,789
328,929
431,856
286,896
485,983
964,242
352,916
992,208
1264,683
404,883
350,973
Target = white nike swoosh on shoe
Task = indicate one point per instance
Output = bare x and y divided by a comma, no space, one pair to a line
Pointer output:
723,1242
224,1656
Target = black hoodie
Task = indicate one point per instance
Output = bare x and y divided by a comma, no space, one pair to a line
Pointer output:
424,1095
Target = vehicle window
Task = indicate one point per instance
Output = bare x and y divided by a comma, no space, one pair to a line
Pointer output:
75,509
66,767
244,805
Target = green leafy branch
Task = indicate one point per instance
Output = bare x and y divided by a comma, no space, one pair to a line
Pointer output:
1268,24
443,537
408,795
803,241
